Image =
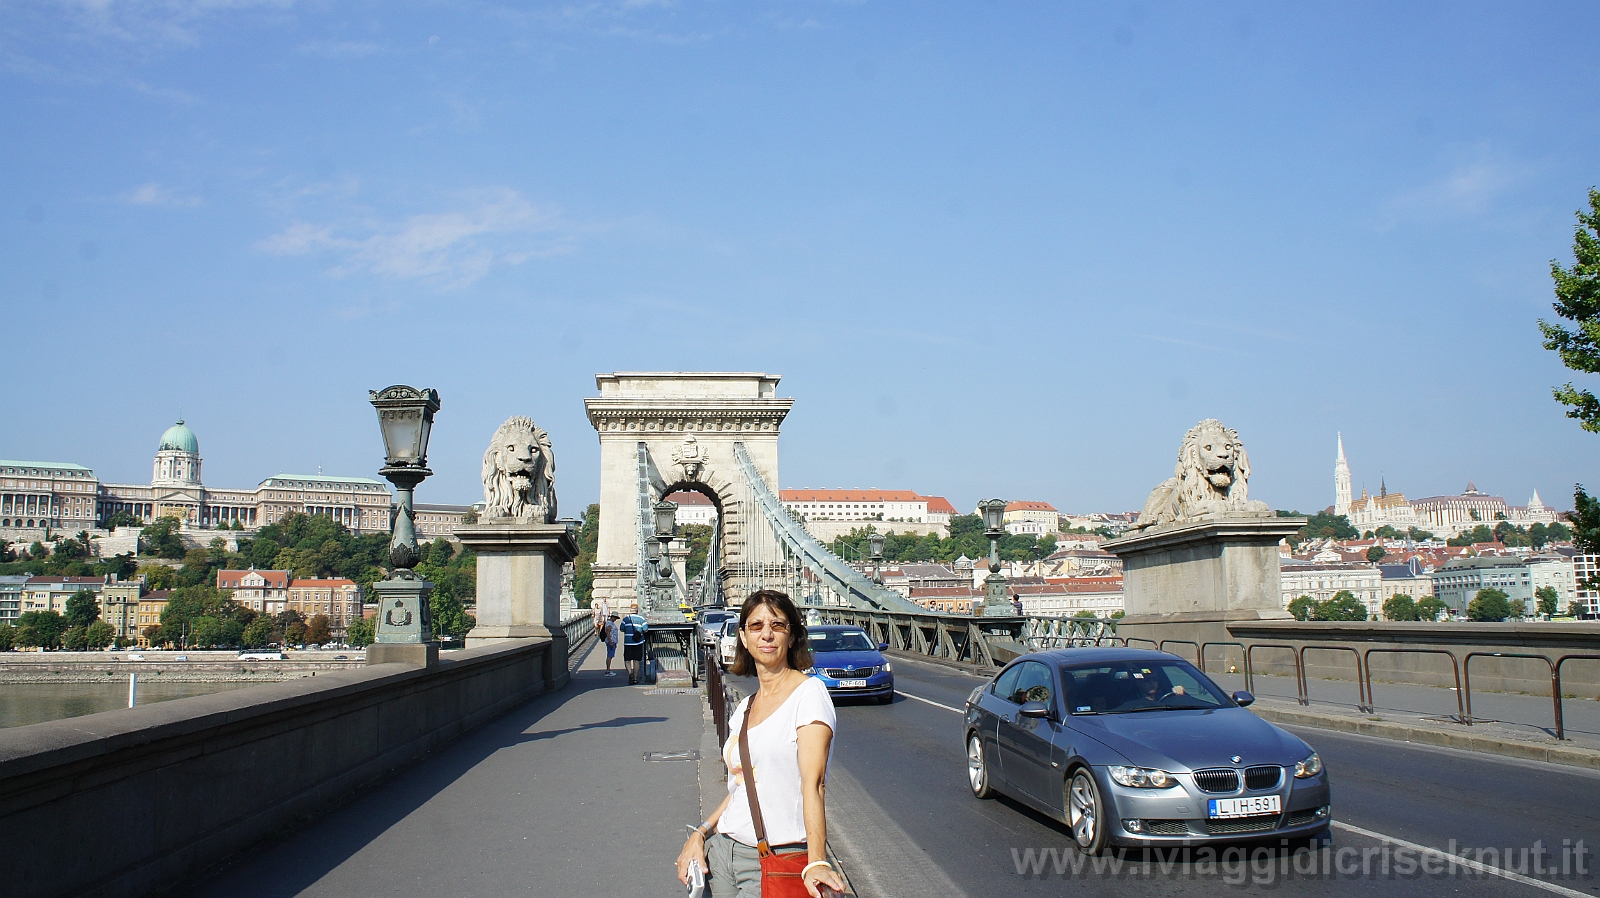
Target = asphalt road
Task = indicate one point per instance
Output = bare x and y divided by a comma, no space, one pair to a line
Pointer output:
1394,803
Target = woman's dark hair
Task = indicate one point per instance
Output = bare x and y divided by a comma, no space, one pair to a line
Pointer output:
799,655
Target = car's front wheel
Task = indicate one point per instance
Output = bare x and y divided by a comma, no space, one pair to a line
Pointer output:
977,768
1084,813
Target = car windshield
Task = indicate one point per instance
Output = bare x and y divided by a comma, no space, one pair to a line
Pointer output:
1122,687
730,626
841,641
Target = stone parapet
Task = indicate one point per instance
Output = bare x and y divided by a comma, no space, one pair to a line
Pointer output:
197,780
1210,569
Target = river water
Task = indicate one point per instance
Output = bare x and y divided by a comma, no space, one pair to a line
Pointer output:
25,703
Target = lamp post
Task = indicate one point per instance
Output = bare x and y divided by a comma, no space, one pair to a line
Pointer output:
666,522
875,543
403,631
996,600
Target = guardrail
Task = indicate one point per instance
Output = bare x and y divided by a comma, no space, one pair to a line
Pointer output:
579,629
952,637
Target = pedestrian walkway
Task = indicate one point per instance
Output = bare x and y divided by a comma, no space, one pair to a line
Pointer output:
554,798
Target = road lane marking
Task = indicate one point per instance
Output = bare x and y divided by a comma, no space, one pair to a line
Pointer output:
1469,864
929,701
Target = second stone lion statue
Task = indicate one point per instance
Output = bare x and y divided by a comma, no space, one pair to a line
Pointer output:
519,474
1212,477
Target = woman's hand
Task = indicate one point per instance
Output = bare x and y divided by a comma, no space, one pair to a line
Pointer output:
694,849
822,875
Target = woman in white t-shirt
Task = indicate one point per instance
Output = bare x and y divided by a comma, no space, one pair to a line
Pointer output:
791,732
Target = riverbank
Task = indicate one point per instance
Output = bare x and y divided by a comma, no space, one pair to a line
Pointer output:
27,704
167,667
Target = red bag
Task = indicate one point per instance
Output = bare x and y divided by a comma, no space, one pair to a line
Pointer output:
780,872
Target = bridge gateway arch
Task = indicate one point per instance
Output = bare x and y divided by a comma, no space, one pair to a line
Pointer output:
715,433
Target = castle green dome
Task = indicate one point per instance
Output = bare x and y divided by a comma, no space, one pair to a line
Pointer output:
180,438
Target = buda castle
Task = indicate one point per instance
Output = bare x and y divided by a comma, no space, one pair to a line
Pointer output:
40,496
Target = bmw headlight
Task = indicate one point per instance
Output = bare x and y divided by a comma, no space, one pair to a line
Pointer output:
1310,767
887,668
1141,777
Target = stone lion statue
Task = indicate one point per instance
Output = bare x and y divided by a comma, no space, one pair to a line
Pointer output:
519,474
1212,477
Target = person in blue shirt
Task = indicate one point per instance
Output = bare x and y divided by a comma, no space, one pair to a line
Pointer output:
633,629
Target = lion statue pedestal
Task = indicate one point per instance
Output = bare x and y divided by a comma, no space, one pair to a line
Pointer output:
1202,553
521,550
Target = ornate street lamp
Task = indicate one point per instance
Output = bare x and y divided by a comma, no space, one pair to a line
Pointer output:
996,600
405,415
403,631
875,543
666,521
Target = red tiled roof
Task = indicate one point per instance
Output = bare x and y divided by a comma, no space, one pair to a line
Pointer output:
312,584
940,505
55,578
847,496
230,579
688,497
1029,506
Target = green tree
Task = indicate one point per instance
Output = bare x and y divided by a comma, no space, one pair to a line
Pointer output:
1578,300
1549,600
122,519
44,626
73,639
1387,532
1489,604
258,633
160,538
699,538
1478,534
205,632
1400,607
582,566
99,634
440,552
83,609
448,616
27,637
1375,554
158,576
358,633
1429,608
8,635
1416,535
1302,607
1344,606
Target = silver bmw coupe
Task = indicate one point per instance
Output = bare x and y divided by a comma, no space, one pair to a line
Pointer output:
1130,747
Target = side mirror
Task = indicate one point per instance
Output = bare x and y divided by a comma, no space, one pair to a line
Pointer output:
883,646
1243,698
1035,709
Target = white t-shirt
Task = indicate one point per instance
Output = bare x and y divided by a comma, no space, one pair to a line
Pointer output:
775,755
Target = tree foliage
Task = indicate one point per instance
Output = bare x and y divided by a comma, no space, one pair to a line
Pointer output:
455,584
582,566
82,609
358,633
1489,604
1429,608
1400,607
1302,607
160,538
40,628
966,538
1342,606
1549,600
1375,554
1578,300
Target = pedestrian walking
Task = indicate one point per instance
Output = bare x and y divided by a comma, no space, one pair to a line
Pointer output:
772,828
609,634
599,616
633,629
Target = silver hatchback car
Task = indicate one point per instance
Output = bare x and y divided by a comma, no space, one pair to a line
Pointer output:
1139,748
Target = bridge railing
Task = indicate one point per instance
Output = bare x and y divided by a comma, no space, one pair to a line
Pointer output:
984,641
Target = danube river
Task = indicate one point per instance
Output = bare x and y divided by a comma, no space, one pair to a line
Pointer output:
25,703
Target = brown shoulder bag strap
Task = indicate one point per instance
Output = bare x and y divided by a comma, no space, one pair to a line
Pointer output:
762,848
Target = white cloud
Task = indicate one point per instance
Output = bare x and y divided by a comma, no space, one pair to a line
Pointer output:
451,249
153,194
1468,190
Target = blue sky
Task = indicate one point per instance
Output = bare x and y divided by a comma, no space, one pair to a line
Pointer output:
995,249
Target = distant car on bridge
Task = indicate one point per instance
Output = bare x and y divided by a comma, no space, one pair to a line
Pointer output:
710,624
1131,747
849,664
728,641
261,655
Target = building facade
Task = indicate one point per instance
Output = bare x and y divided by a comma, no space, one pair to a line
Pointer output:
434,521
1032,518
11,587
263,591
119,606
1457,581
694,508
855,505
151,605
1322,581
339,599
1557,572
40,496
51,593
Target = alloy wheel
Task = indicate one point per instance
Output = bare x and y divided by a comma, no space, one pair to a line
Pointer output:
1083,812
977,770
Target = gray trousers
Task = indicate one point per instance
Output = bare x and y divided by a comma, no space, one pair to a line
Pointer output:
735,868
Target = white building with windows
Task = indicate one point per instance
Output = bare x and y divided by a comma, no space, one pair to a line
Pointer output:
1321,581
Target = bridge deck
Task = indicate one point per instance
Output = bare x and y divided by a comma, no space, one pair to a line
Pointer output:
554,798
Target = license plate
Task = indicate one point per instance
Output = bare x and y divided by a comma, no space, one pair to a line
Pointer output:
852,684
1245,807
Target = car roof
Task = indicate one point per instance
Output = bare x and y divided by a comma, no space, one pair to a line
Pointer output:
1093,654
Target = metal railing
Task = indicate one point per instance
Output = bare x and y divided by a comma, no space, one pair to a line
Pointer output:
1466,683
1363,684
1455,666
952,637
717,695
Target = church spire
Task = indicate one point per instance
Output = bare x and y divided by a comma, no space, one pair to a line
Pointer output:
1341,482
